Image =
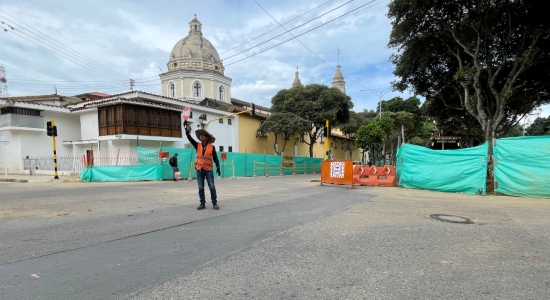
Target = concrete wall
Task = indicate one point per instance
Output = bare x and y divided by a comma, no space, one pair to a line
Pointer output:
89,127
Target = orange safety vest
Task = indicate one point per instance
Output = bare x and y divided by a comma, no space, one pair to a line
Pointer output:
204,162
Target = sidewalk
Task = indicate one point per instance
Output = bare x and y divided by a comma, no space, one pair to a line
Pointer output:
37,178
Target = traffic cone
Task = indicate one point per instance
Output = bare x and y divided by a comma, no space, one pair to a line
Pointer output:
266,174
294,173
281,173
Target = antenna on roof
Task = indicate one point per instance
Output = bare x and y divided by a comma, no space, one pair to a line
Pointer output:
3,83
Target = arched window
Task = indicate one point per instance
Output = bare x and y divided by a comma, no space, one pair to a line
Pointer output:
196,89
221,92
172,90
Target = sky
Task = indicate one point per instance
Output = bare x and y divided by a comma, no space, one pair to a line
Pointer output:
84,46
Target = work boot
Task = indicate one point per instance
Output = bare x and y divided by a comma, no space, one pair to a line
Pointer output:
215,206
201,206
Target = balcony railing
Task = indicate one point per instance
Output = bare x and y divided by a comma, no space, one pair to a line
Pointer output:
15,120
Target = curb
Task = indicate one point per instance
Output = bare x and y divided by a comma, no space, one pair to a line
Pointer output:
14,180
32,181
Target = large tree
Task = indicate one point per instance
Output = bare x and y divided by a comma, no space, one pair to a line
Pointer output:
350,128
541,126
283,124
374,137
316,104
487,59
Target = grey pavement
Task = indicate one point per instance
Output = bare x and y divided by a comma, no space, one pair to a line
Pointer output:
274,238
20,178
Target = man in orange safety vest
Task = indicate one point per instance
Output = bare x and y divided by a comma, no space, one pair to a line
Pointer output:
204,162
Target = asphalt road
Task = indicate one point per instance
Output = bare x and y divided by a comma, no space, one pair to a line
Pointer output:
273,238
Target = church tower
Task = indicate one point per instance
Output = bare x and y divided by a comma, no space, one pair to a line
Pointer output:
297,81
195,70
338,81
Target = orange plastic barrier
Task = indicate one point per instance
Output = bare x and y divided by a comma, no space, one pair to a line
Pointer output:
374,176
337,172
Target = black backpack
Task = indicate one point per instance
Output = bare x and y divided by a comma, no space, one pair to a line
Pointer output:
172,161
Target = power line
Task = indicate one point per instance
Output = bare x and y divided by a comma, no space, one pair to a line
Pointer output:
292,29
276,27
61,54
264,50
65,47
303,43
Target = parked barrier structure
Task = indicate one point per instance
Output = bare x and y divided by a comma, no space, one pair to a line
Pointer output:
374,176
337,172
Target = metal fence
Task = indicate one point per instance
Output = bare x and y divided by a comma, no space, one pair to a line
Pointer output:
115,158
64,163
78,163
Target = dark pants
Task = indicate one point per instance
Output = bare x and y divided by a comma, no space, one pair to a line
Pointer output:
209,175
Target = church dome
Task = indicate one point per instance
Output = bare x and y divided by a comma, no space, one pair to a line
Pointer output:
195,51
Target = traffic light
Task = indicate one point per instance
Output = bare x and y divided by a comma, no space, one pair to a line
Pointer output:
326,132
253,109
51,130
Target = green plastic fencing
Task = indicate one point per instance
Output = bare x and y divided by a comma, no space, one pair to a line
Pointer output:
151,167
522,166
242,164
461,170
185,157
122,173
148,157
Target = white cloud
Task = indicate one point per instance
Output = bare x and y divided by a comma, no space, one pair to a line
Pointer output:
133,40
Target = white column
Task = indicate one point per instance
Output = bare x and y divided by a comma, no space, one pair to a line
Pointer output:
212,95
182,90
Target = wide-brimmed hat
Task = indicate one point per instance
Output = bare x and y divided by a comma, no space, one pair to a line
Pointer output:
211,139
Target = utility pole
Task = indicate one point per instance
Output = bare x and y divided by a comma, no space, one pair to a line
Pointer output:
380,94
132,85
51,130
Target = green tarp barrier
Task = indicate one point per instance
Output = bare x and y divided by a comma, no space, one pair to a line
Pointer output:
151,167
522,166
461,170
122,173
241,164
185,157
148,157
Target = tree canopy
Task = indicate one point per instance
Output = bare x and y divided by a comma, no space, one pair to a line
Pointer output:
541,126
315,104
285,124
473,60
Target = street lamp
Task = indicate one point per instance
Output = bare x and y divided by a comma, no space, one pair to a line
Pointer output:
380,94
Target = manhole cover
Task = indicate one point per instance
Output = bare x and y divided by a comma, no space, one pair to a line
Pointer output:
451,219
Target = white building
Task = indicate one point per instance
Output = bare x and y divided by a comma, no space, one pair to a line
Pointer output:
95,121
118,122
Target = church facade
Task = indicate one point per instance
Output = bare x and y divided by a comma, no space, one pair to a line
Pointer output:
195,70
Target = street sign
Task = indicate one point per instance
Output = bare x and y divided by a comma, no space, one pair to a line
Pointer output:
224,155
186,113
